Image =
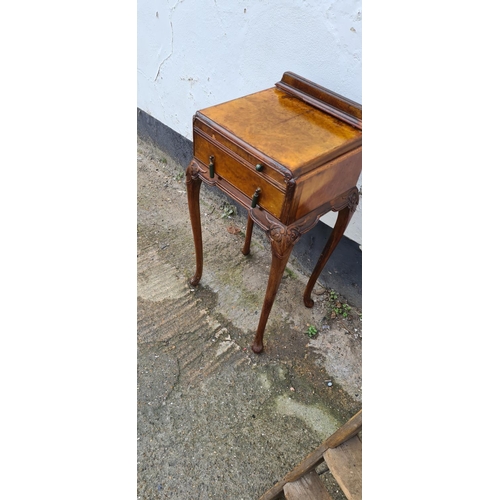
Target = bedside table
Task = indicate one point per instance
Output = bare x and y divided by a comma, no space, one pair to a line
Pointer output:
289,155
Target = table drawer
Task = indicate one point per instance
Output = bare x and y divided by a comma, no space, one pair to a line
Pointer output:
233,169
276,174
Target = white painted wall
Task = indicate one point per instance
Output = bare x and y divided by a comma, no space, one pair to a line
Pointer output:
193,54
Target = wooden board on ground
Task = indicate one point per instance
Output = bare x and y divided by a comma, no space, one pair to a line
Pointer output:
345,463
308,487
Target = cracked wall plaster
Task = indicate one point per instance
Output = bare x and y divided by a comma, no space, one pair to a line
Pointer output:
192,55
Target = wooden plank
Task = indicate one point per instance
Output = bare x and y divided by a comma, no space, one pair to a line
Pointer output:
345,463
308,487
349,429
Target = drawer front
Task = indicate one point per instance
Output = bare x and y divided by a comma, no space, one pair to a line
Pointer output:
273,175
228,166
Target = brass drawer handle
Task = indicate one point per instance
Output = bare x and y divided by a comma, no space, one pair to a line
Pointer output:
259,167
211,166
255,197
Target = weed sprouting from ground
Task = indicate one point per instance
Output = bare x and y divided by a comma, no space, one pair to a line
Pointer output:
227,210
337,307
312,331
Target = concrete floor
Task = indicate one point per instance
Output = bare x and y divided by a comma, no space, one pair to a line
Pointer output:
214,419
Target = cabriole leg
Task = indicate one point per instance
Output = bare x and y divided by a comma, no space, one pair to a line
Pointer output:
248,237
340,226
282,239
193,183
278,265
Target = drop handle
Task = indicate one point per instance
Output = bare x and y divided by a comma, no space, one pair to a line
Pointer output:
211,166
255,197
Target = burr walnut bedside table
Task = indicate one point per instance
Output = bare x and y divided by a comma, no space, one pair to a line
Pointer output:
288,154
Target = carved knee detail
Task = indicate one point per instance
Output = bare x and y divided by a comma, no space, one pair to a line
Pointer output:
193,173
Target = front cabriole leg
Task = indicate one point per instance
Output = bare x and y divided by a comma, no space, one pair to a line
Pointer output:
282,239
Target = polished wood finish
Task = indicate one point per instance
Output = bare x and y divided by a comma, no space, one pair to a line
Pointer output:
299,146
285,129
350,429
321,98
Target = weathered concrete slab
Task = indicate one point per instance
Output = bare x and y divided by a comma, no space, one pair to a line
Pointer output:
214,419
